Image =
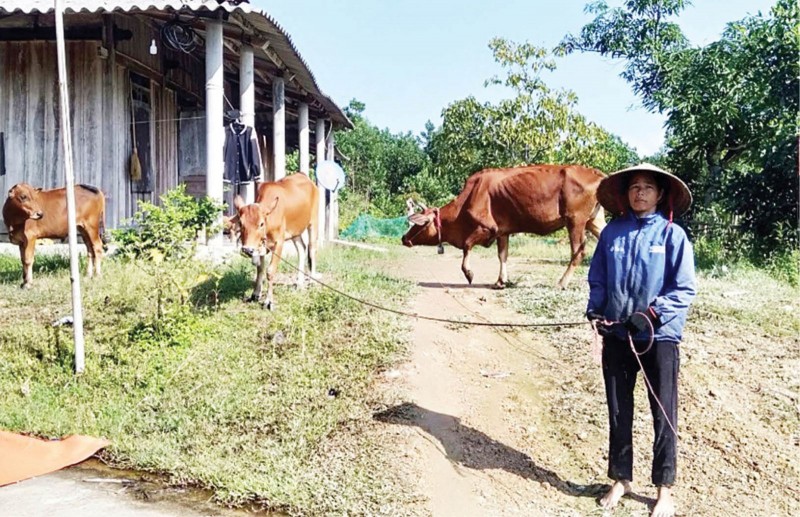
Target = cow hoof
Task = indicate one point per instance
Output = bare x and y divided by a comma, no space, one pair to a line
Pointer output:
269,305
25,285
499,286
251,298
469,276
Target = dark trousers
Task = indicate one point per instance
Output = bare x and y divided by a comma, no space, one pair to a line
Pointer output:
620,370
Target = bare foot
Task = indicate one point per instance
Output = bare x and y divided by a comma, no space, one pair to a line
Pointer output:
665,505
612,497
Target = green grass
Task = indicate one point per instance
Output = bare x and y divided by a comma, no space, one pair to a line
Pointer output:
215,392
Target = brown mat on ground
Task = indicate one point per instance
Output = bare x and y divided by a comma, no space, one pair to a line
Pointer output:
22,457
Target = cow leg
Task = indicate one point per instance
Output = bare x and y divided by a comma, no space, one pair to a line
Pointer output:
312,251
481,235
300,247
96,251
502,254
577,243
271,272
260,273
26,249
465,264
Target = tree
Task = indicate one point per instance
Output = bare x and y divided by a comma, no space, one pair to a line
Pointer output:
537,124
639,33
731,106
378,164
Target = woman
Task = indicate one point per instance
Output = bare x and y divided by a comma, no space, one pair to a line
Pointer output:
641,283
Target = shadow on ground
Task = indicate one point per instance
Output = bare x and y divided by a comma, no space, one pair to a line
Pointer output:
475,450
233,284
445,285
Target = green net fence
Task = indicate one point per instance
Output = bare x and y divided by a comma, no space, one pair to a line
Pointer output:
367,227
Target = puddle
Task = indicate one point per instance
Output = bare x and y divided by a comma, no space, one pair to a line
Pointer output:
154,489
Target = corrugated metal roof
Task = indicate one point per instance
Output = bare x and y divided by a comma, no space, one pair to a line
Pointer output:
280,41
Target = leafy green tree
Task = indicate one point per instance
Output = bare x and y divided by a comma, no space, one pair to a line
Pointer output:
378,163
641,34
731,106
537,124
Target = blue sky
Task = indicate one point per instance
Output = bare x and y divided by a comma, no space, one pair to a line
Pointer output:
407,59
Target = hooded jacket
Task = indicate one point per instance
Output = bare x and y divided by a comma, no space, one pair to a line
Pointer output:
640,263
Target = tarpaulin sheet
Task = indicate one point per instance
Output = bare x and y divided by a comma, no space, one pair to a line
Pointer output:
23,457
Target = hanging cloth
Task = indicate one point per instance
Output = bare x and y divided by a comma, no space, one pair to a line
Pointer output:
242,155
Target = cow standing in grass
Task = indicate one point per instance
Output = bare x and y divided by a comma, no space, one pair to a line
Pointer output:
284,209
30,213
496,203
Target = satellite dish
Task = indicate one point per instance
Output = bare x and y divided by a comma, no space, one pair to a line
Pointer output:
330,175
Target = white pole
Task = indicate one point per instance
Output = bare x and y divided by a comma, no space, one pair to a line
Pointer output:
320,139
66,142
333,204
215,137
279,127
247,94
302,125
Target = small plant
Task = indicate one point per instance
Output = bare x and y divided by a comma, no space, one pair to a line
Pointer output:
785,266
168,231
158,237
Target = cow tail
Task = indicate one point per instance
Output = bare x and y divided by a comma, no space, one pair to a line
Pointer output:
104,237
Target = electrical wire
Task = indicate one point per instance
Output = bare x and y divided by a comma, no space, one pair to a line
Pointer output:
179,36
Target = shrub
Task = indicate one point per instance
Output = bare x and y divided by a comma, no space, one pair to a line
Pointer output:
167,231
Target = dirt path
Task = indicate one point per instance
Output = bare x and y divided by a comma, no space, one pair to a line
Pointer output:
477,404
509,423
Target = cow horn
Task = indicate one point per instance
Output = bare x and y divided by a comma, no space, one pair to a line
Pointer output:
410,208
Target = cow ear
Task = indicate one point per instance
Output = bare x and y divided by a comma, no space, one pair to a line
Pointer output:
273,207
420,219
238,203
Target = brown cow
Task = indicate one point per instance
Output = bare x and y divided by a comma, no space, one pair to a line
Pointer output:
30,213
284,209
496,203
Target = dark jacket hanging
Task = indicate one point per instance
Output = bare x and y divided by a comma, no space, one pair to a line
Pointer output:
242,156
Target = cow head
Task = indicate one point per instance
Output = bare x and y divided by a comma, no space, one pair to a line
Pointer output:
253,223
425,230
22,203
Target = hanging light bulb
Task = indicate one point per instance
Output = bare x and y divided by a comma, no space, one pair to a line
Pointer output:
153,48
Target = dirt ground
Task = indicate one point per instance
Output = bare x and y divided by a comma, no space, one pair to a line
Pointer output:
502,423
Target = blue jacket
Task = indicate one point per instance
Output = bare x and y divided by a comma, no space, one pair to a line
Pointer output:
639,263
